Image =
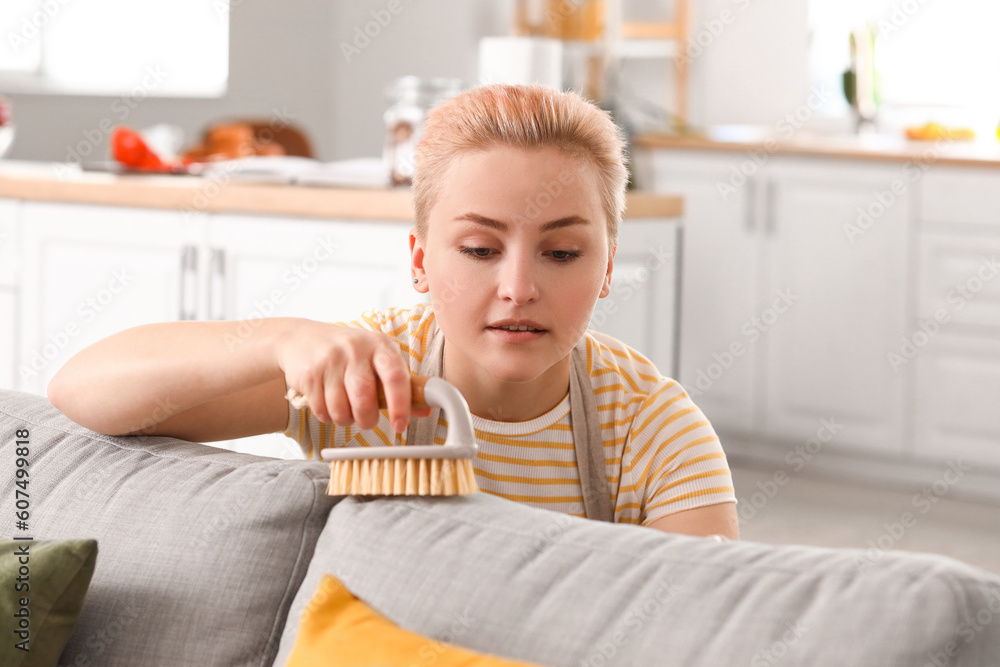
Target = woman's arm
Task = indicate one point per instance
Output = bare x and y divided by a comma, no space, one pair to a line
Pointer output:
211,381
141,378
679,462
719,519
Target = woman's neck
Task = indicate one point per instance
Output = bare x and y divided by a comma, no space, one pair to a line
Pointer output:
490,398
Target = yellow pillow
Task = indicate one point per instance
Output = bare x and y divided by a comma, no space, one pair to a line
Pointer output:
339,629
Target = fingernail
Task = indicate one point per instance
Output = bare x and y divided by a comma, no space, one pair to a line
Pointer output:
399,425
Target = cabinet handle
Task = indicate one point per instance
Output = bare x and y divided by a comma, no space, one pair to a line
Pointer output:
189,284
217,284
769,223
750,215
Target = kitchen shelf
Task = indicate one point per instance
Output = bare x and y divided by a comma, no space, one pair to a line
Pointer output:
639,49
630,40
603,42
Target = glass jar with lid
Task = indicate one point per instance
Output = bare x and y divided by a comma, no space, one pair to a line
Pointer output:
410,99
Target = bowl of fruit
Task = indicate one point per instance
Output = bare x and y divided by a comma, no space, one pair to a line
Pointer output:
6,125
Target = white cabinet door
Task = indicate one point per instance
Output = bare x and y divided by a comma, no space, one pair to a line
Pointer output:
8,350
957,356
640,310
837,242
960,196
324,270
958,395
719,283
94,271
960,275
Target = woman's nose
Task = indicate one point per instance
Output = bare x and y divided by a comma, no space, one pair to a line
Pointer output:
518,280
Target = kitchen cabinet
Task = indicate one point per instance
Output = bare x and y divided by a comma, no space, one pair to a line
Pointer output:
959,276
97,270
890,321
958,195
640,309
329,271
720,273
843,281
785,321
955,344
958,394
91,271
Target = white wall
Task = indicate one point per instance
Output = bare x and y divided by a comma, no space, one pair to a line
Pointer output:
277,52
288,56
427,38
756,70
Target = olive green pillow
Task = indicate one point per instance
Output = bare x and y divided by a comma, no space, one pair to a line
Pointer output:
44,583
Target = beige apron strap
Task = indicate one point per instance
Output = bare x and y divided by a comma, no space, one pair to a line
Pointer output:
421,431
588,440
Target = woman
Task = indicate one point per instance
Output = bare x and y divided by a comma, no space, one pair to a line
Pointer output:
518,191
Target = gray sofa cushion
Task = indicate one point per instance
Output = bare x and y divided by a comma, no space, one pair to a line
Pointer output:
201,549
508,579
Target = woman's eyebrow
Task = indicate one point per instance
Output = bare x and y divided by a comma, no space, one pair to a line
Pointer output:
502,226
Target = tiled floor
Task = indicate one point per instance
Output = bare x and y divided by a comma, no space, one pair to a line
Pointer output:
825,512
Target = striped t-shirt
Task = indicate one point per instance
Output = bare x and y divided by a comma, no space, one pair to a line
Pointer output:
661,454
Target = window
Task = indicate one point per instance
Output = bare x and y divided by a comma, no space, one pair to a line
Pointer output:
114,47
935,59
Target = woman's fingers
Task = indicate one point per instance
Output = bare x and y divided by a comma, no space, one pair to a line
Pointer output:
337,401
312,389
395,378
338,370
359,381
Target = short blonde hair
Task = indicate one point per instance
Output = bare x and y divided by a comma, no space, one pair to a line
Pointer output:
520,116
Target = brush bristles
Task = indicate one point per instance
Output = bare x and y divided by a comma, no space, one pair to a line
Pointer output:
402,477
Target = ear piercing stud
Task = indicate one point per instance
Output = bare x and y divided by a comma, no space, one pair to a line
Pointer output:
414,280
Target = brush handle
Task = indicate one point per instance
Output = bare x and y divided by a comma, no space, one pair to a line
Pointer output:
417,399
460,443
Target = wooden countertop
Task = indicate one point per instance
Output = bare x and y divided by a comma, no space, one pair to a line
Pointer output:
984,152
46,182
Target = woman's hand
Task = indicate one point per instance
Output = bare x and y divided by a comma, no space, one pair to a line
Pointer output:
336,369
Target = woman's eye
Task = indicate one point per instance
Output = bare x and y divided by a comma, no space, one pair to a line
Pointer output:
487,253
478,253
564,255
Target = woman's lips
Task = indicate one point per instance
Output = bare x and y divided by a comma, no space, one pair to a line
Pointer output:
509,336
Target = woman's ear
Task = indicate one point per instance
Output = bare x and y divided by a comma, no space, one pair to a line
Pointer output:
417,263
606,288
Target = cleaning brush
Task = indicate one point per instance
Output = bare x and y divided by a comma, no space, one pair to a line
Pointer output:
410,470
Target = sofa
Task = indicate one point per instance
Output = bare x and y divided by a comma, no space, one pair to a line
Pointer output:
209,557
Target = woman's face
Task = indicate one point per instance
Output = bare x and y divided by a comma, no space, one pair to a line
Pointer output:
516,239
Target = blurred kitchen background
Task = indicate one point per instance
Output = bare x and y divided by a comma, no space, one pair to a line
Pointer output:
837,160
750,62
